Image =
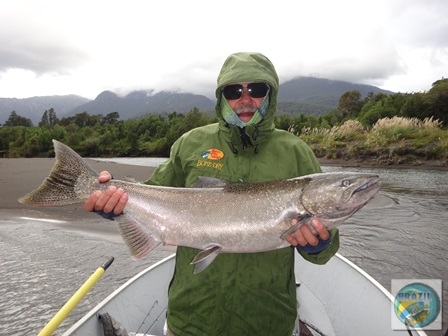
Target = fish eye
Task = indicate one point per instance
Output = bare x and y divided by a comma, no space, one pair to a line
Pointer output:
346,183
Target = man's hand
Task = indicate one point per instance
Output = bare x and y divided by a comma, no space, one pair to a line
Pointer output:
112,199
304,236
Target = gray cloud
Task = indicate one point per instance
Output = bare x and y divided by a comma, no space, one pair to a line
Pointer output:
36,46
39,56
39,59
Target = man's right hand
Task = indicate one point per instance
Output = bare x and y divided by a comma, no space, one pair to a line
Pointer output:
112,199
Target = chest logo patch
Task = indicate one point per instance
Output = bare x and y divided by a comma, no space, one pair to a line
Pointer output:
212,154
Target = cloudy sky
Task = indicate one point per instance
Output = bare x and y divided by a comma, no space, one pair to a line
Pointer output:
53,47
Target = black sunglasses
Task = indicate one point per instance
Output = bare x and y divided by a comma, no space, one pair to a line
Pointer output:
255,90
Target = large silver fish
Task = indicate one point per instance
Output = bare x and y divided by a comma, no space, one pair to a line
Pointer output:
215,219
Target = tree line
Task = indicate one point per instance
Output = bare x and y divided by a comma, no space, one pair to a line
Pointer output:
99,135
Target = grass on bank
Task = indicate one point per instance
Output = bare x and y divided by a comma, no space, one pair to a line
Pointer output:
395,140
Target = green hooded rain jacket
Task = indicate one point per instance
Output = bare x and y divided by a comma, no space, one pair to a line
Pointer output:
248,293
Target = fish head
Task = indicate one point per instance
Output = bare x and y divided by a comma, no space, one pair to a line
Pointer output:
334,197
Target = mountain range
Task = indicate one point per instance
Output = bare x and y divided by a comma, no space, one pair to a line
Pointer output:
308,95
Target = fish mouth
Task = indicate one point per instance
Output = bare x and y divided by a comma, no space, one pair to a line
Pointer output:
370,186
373,182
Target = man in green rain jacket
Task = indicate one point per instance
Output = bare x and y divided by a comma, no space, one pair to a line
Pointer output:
247,293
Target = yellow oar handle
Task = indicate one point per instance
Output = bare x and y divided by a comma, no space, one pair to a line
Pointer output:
74,300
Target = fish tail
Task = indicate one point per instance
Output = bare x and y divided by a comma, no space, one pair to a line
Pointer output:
68,182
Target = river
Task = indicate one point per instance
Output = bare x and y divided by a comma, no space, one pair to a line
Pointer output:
41,266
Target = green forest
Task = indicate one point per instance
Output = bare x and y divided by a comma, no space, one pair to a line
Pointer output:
391,129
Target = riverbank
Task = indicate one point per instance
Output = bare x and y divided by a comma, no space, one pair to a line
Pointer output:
374,163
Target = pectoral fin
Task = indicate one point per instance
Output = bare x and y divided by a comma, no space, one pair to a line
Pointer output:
301,219
291,230
139,241
204,258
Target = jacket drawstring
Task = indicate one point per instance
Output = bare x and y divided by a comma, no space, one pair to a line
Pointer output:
254,137
255,133
245,140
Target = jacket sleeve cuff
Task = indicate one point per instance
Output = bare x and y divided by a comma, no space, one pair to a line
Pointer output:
108,215
314,249
327,253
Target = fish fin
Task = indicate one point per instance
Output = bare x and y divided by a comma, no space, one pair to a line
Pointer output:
60,187
138,239
205,257
209,182
301,219
291,230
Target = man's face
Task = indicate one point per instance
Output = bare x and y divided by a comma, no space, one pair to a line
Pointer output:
244,98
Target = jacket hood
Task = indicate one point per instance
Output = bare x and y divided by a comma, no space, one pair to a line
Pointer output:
249,67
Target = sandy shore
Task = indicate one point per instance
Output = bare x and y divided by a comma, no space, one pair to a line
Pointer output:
20,176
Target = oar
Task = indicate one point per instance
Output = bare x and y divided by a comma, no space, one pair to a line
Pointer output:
74,300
